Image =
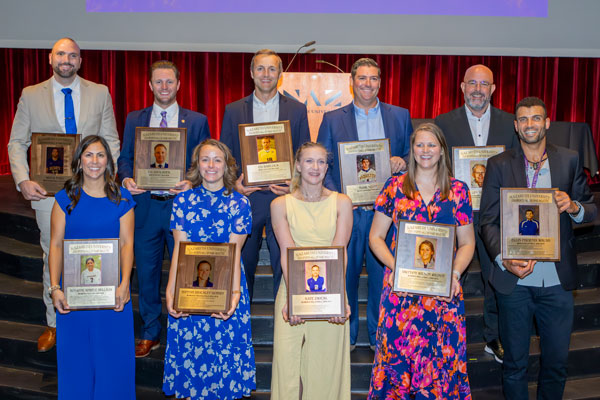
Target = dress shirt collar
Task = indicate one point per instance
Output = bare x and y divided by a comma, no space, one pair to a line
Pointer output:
485,116
270,103
74,86
171,110
361,113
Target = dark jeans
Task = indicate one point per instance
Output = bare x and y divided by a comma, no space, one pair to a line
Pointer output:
552,308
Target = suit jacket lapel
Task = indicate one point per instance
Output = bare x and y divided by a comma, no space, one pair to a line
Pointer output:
48,105
518,168
84,104
349,122
283,110
183,122
388,127
554,164
248,109
465,127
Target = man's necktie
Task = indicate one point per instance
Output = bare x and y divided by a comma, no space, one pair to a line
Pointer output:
70,124
163,121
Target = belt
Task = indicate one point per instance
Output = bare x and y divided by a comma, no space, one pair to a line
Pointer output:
162,197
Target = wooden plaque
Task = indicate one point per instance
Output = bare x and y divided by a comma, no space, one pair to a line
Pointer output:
364,168
204,277
159,158
424,256
316,282
51,156
469,164
91,273
530,224
267,156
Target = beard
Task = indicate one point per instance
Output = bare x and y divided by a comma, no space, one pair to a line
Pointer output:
532,140
65,74
477,107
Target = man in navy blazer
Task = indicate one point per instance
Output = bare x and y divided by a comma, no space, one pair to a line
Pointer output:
153,211
478,123
527,289
365,118
265,104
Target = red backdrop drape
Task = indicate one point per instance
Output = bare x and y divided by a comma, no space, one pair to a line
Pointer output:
426,85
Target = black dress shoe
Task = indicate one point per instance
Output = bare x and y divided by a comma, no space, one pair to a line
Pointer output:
495,348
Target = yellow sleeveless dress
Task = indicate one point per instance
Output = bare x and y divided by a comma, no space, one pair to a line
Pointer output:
316,353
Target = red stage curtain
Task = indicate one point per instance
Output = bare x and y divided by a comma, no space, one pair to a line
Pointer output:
426,85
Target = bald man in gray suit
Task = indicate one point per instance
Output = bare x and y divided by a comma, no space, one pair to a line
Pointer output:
42,109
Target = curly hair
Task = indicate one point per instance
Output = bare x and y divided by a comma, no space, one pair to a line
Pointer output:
296,181
409,187
73,186
230,175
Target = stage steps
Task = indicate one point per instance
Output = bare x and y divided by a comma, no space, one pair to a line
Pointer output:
27,374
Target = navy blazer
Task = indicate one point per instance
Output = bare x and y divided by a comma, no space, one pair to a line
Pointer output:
241,112
457,131
508,170
197,131
340,126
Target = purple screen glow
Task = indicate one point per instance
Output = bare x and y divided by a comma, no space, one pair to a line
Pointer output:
487,8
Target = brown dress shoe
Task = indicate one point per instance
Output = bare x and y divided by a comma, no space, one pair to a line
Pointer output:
144,347
47,340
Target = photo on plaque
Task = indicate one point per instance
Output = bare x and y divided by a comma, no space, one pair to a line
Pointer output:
424,256
55,160
477,173
204,277
159,157
364,169
316,276
469,164
425,253
91,269
51,156
316,282
266,149
530,224
267,156
91,273
529,220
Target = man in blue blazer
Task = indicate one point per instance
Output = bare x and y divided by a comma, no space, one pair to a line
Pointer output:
526,289
478,123
365,118
153,211
265,104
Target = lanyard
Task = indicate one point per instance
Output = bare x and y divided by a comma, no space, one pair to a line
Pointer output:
536,173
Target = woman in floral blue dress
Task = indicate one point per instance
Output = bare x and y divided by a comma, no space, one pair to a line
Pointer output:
421,340
211,357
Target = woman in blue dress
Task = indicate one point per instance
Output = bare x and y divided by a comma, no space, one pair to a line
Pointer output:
94,349
211,357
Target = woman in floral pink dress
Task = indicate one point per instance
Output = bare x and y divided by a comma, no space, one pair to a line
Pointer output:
421,340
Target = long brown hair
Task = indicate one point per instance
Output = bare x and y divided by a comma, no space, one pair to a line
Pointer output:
230,175
409,187
74,185
296,181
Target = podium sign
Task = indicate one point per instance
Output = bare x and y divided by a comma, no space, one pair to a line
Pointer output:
320,92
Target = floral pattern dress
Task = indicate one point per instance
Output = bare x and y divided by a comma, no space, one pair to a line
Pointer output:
421,342
208,358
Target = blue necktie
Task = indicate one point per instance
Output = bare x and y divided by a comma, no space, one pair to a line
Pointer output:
70,124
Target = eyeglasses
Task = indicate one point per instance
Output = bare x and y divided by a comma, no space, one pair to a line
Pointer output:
483,84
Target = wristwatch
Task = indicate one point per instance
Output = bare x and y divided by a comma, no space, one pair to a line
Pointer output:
578,209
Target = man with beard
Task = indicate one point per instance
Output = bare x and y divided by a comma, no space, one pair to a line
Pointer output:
54,106
527,289
153,211
265,104
366,118
478,123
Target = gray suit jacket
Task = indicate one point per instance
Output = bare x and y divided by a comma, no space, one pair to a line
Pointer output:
36,113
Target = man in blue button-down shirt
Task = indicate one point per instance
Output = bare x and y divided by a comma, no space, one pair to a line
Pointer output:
527,289
366,118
